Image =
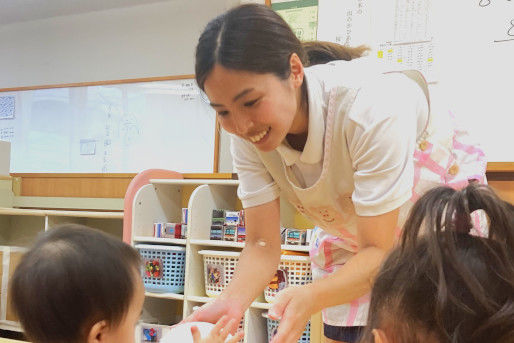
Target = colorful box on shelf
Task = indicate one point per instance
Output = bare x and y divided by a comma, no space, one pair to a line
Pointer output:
228,226
227,217
241,234
164,267
184,215
217,232
296,237
230,233
218,217
291,236
169,230
231,218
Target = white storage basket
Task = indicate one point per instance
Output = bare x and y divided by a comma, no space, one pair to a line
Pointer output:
293,270
219,267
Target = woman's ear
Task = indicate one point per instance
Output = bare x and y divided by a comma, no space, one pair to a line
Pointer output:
98,332
296,70
380,336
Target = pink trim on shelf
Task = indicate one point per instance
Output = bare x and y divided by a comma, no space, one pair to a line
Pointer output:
141,179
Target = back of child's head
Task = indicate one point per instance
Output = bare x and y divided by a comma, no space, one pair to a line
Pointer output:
443,284
73,277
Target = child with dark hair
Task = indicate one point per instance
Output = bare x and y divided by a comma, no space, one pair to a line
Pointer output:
444,284
79,285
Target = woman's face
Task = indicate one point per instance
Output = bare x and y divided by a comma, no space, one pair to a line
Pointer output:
260,108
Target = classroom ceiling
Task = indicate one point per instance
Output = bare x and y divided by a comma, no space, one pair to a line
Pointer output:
14,11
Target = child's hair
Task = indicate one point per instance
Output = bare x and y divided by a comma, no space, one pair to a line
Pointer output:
255,38
72,278
443,284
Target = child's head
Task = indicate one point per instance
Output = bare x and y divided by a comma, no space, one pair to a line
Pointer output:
78,285
443,284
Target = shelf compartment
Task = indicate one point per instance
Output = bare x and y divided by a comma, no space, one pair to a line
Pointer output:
171,296
155,240
228,244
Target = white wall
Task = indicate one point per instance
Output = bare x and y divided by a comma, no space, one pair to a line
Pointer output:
142,41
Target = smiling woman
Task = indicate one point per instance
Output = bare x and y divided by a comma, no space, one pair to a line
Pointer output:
345,144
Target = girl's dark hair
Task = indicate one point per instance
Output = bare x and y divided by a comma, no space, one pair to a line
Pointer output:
73,277
443,284
255,38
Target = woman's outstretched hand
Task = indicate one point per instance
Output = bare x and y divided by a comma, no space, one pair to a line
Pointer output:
213,311
292,307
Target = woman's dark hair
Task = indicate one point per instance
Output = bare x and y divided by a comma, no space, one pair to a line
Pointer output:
319,52
73,277
255,38
443,284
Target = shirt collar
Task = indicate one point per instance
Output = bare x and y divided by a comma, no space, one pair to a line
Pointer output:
313,151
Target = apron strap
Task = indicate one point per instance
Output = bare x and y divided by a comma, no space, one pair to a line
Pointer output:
417,77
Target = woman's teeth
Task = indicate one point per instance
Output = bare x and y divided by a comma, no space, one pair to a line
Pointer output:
258,137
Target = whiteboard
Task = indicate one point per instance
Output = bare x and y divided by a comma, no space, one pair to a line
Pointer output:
465,49
123,128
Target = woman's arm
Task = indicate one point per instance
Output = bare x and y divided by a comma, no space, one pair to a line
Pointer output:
376,237
260,257
257,265
296,305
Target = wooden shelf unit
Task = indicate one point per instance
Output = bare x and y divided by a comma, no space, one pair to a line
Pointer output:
162,201
20,227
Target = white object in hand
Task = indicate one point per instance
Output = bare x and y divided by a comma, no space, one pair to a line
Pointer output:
182,332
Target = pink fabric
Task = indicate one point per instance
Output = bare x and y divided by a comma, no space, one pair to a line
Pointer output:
141,179
468,148
432,167
354,307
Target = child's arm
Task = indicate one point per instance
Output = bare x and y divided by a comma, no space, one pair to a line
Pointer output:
218,333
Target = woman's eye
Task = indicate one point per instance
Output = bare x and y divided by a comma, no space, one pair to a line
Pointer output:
222,113
251,103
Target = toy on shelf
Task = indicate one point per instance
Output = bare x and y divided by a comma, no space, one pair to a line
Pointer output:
151,334
228,226
294,269
219,267
292,236
172,230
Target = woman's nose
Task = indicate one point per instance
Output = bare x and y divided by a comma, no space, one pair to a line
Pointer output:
242,125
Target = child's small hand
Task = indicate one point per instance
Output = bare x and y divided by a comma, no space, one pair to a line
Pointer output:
219,332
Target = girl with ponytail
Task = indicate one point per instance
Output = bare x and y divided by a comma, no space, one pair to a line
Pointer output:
445,283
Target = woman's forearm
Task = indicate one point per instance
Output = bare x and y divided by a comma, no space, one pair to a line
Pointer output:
257,265
353,280
260,257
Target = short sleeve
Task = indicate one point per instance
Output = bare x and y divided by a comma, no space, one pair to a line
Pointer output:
381,137
256,185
